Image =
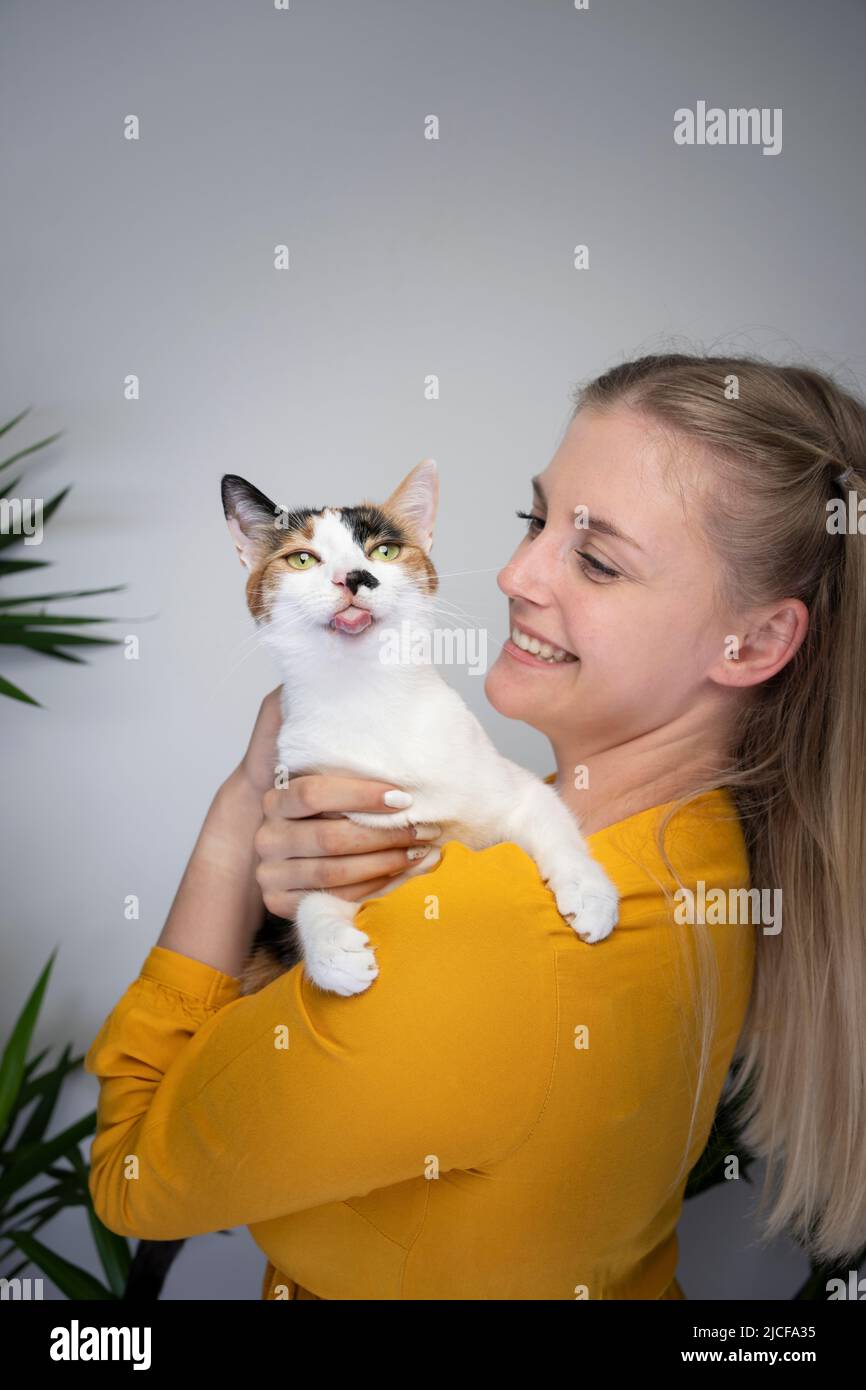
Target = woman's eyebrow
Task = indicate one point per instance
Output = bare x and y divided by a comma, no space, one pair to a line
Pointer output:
599,524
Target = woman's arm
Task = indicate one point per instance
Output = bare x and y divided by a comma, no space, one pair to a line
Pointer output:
218,907
219,1111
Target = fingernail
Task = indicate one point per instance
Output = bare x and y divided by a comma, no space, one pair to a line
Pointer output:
396,798
418,853
427,832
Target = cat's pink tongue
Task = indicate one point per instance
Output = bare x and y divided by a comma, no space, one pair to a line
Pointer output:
352,619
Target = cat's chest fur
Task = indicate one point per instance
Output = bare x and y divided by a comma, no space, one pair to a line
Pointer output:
413,731
419,733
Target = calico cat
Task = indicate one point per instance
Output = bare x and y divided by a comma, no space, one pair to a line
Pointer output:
324,585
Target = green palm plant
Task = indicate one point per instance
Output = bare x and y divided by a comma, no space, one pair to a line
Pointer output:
22,625
27,1102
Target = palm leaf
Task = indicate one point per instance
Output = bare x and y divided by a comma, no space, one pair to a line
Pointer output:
67,1277
60,1190
14,693
11,538
34,1061
113,1250
31,448
13,636
68,593
10,425
41,1116
15,1052
10,487
34,1158
25,620
15,566
35,1086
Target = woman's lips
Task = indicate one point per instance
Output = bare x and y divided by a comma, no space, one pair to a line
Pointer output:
518,654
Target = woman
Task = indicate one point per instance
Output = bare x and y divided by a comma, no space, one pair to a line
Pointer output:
509,1113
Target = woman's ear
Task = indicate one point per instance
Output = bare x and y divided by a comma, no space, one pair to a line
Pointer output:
251,518
416,499
772,635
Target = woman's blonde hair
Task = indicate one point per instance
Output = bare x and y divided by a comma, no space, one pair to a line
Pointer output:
782,442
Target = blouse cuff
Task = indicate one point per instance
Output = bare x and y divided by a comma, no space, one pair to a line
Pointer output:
209,986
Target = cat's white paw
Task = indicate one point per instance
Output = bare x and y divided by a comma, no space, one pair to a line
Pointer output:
336,955
586,898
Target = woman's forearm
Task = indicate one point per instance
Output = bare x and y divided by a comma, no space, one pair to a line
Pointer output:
218,907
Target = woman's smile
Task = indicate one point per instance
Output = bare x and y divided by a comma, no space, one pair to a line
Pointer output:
532,649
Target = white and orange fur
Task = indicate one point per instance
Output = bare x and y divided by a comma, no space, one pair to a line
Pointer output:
348,712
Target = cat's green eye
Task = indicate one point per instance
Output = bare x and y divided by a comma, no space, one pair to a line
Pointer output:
385,551
302,560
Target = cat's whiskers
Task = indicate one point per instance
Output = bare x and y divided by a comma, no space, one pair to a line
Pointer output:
257,640
455,574
453,611
285,624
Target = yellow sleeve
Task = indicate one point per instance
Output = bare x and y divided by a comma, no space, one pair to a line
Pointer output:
217,1110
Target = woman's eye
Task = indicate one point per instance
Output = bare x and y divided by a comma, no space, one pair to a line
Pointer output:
385,551
533,523
302,560
594,569
591,567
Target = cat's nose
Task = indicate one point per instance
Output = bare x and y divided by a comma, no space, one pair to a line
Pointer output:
357,579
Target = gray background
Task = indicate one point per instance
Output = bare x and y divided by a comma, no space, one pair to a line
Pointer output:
407,257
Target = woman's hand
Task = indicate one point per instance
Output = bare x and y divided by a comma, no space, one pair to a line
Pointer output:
306,843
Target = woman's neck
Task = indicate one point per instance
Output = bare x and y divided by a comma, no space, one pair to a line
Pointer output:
613,784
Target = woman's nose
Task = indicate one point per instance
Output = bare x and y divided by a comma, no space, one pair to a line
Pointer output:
523,577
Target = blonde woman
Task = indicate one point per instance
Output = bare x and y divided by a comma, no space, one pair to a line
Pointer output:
509,1113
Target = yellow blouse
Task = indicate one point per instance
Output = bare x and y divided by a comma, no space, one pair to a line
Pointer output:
497,1117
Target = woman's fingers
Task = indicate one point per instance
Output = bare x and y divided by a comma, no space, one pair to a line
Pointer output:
311,838
286,904
306,843
313,793
331,872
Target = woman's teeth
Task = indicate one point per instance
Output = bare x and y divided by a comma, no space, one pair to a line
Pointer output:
540,649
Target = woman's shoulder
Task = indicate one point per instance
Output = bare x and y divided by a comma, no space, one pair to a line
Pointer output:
477,941
476,901
474,933
489,910
664,847
502,886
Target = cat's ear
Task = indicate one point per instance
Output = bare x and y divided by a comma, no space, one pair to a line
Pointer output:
251,519
416,499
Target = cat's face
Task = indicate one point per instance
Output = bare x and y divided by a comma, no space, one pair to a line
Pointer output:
335,575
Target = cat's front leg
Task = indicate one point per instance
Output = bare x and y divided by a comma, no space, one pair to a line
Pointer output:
426,810
543,825
337,956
